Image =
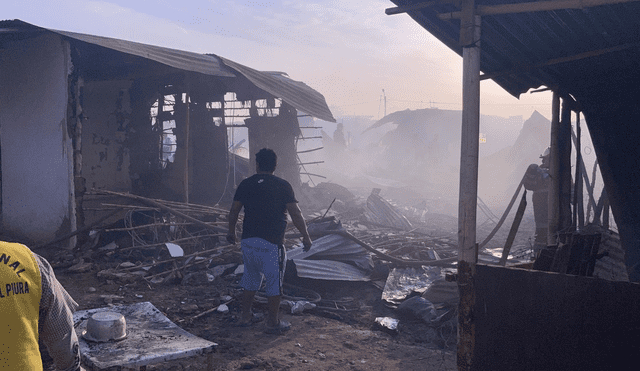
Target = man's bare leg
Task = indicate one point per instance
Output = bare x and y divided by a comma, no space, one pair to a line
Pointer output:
273,306
247,301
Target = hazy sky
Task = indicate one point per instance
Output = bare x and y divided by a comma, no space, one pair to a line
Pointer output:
348,50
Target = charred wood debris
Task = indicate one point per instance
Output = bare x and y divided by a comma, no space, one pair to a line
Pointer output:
157,242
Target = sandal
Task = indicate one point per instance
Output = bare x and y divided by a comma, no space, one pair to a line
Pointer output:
282,327
254,319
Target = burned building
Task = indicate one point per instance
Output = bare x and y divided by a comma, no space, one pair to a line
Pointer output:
81,112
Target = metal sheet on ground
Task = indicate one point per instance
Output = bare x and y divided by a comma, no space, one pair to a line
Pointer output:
151,338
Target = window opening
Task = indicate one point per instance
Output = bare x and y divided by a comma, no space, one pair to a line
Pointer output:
163,124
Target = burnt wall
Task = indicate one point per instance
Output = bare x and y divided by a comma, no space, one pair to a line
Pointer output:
278,133
613,120
209,156
105,156
531,320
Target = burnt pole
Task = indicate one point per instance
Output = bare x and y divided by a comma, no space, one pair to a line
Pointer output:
554,172
468,192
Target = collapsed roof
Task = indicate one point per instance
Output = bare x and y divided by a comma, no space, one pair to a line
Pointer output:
297,94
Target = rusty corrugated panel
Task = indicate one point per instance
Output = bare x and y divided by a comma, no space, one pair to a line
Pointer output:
184,60
180,59
336,248
379,211
611,266
587,46
329,270
296,93
333,258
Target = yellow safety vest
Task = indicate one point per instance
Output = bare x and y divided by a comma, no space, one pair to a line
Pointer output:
20,292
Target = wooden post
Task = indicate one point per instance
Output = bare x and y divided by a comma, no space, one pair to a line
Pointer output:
514,229
468,192
186,147
591,203
605,212
554,173
579,171
564,154
76,212
585,177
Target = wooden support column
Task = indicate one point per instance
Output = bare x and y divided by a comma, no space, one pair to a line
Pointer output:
579,203
554,172
564,153
187,139
468,192
560,169
77,212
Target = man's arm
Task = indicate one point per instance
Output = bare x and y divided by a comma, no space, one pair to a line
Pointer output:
298,222
56,325
234,212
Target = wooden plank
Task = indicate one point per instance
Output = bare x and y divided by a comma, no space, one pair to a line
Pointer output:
554,164
579,171
514,229
535,6
564,153
551,62
590,185
186,149
418,6
468,192
311,150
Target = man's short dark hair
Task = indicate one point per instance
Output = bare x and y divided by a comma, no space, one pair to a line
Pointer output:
266,160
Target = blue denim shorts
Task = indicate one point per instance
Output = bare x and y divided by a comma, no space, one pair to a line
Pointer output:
263,258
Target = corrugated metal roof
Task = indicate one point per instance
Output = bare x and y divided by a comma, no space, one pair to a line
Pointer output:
329,270
180,59
570,49
335,247
183,60
296,93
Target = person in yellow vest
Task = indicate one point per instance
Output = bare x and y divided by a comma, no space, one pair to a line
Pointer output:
33,306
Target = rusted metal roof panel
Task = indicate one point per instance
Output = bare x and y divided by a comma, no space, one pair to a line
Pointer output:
180,59
573,49
183,60
296,93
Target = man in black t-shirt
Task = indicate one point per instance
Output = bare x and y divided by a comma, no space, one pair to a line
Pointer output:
266,200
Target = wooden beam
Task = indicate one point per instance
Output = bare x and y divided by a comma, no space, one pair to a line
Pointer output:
514,229
425,4
550,62
468,192
187,139
536,6
564,153
554,172
578,210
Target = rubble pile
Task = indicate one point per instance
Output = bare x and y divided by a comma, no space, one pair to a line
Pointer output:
393,248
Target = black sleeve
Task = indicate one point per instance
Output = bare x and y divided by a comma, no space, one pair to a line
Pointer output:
241,193
289,196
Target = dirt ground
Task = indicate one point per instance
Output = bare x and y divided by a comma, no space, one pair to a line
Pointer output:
345,337
318,340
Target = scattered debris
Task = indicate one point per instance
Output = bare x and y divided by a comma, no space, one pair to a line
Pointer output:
380,212
388,323
418,307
